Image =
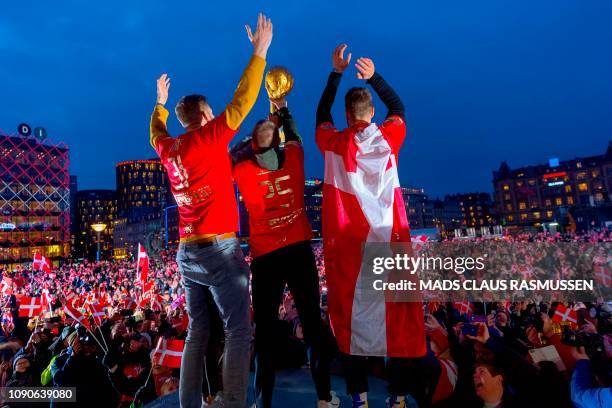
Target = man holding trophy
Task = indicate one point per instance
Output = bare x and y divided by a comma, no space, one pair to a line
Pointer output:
210,259
271,178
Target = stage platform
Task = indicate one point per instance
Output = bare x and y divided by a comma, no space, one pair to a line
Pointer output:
294,389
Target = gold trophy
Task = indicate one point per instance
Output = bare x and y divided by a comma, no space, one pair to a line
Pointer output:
278,83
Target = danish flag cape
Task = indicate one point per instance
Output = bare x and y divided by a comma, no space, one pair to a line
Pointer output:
362,202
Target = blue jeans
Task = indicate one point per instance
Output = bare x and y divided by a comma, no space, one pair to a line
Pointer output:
218,270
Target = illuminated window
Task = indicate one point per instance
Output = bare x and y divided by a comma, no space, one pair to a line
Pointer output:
523,216
536,215
568,189
578,165
522,205
547,203
507,197
595,173
570,200
558,201
581,175
531,182
583,187
549,214
519,184
506,187
509,207
510,218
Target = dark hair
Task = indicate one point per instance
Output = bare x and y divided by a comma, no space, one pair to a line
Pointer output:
358,102
189,109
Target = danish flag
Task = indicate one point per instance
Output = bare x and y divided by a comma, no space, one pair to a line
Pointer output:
463,307
168,353
6,286
40,263
142,266
97,312
565,314
603,275
30,306
76,315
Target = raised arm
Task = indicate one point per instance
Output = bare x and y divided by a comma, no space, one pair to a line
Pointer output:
157,127
286,121
250,83
367,71
329,93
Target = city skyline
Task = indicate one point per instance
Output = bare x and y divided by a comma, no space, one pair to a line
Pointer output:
482,83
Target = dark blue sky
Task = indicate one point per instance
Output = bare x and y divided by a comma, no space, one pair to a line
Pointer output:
482,81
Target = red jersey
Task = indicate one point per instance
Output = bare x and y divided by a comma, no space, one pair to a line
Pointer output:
200,172
275,201
199,165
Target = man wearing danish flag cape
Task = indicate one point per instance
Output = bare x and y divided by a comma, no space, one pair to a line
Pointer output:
362,203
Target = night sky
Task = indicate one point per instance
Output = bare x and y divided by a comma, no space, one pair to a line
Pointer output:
482,81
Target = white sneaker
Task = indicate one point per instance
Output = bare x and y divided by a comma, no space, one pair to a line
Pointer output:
333,403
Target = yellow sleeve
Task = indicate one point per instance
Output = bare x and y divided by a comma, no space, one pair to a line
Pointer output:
246,93
158,127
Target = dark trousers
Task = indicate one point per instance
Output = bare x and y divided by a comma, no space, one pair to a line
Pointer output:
415,376
295,266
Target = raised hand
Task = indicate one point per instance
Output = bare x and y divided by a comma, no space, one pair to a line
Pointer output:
482,335
163,86
262,38
279,103
339,62
365,68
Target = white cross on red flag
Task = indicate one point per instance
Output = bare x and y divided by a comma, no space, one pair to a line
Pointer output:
603,275
97,312
30,306
565,314
76,315
40,263
168,353
463,307
142,265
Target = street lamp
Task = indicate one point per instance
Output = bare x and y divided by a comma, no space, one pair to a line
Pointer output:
99,227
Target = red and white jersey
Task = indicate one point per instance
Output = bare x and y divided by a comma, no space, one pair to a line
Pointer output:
362,202
200,174
275,201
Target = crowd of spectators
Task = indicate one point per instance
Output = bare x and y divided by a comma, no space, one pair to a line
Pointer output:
510,353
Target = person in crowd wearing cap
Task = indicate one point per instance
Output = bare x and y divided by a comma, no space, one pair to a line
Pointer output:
79,366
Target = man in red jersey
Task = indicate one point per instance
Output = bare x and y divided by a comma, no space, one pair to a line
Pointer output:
362,204
271,181
210,258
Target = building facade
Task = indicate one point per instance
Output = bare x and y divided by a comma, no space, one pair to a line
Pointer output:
142,190
476,208
419,207
94,207
543,193
34,200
